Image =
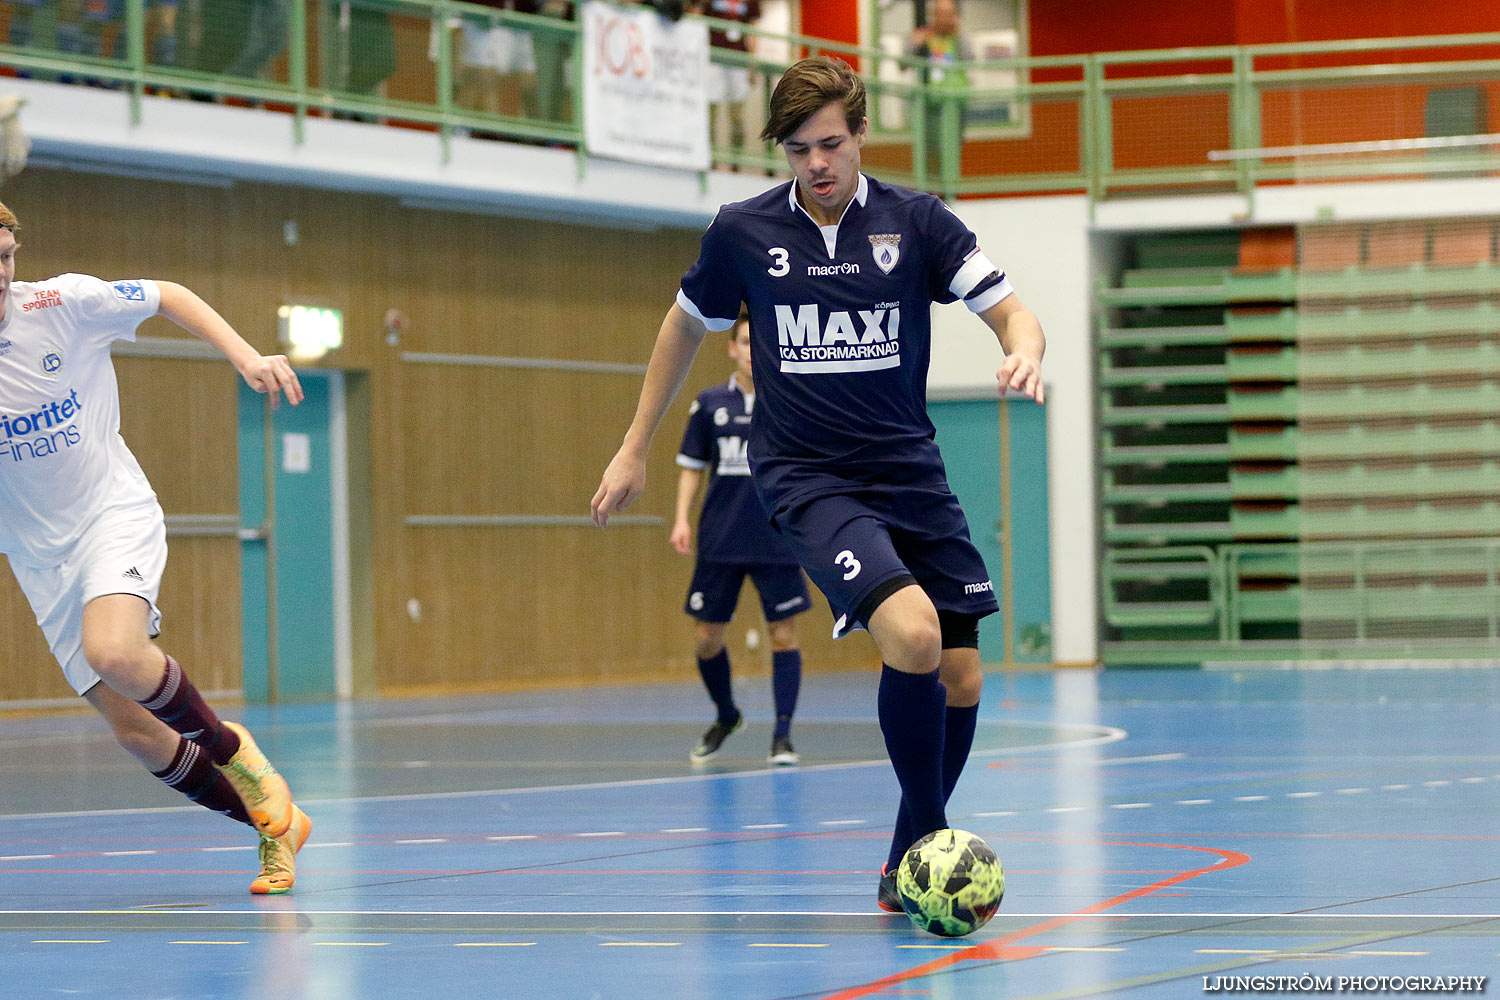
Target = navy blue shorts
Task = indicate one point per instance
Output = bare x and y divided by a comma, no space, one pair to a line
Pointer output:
851,543
715,591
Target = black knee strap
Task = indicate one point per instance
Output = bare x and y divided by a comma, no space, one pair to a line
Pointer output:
877,597
960,631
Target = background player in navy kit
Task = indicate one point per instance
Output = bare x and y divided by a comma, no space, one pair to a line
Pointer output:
86,538
839,272
735,539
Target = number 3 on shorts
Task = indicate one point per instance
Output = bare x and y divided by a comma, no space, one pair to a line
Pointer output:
846,559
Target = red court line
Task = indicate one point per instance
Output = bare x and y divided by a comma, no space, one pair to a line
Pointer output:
1005,948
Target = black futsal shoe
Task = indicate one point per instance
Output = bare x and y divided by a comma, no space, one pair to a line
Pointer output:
713,739
886,897
782,753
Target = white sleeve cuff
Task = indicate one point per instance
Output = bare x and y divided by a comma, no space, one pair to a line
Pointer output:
989,297
691,463
975,270
714,325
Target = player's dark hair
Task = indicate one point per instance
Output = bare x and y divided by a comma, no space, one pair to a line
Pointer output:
8,219
807,88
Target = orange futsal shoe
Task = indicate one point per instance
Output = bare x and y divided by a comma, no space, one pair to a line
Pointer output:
278,857
259,785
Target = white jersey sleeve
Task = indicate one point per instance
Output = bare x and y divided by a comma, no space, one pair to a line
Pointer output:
105,311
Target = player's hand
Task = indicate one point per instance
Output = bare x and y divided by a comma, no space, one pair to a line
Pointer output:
682,538
624,480
273,374
1022,374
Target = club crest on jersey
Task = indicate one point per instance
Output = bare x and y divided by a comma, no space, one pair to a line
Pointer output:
50,364
130,291
887,250
5,346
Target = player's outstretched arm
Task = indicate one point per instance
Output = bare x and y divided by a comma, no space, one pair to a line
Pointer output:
1021,338
272,373
688,481
625,477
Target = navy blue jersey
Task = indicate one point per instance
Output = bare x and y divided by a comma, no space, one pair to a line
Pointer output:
733,527
840,330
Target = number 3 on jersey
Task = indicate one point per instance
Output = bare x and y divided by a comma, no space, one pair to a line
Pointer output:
846,559
781,268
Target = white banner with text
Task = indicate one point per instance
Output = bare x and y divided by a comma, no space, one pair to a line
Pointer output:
644,97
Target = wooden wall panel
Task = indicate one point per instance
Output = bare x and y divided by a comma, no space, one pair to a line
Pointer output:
178,418
499,606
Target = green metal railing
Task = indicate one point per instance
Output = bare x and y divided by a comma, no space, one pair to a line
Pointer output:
1353,597
1224,118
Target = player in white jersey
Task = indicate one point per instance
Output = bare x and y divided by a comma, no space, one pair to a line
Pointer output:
86,538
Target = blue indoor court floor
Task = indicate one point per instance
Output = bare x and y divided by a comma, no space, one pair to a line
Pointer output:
1163,832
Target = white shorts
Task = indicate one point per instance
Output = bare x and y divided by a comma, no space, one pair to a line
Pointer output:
124,551
505,50
727,84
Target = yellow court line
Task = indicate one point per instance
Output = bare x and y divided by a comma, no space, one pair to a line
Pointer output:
1058,947
494,944
69,941
210,942
639,944
786,944
351,944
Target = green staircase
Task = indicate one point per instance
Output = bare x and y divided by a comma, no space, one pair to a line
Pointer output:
1299,462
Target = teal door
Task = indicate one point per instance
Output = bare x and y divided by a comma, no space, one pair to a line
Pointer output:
1007,515
293,554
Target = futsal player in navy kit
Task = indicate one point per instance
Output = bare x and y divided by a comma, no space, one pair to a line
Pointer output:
839,272
735,539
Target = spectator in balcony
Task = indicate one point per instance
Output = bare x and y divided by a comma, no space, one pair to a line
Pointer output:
265,38
497,62
729,79
552,50
942,47
161,29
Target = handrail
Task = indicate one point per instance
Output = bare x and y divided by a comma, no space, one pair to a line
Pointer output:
1027,130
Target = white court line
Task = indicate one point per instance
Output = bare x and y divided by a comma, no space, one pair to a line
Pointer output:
422,840
1194,802
1104,734
122,854
1151,759
1210,915
1131,805
513,836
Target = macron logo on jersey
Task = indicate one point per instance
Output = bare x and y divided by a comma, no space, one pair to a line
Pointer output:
130,291
809,344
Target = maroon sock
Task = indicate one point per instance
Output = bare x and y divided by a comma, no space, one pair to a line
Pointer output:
178,704
193,776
